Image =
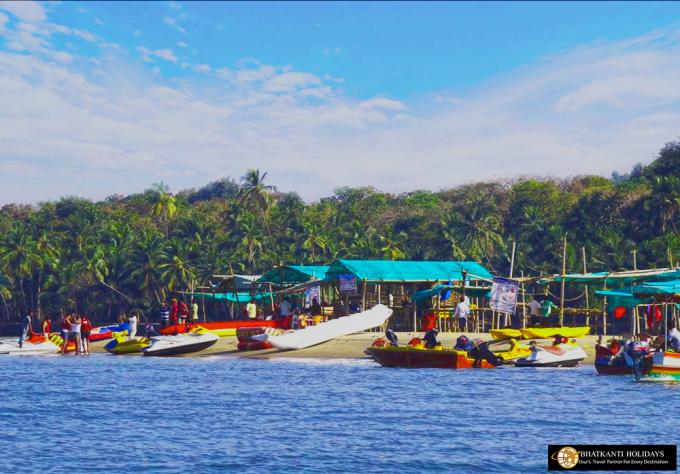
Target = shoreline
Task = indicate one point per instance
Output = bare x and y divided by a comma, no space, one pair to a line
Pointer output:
346,347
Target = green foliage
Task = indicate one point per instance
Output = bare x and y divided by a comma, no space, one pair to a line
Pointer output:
134,251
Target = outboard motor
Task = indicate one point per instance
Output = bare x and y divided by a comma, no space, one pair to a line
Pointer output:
638,350
392,337
430,338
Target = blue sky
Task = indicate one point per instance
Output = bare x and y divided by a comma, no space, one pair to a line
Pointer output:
108,97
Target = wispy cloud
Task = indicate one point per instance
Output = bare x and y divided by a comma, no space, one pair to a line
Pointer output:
168,20
148,55
29,11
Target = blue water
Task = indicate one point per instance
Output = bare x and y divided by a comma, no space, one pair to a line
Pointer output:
219,414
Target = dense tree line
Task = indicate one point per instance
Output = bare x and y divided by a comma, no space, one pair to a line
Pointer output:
130,251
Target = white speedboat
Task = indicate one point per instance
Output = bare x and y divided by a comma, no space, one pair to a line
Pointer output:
313,335
10,345
180,344
567,354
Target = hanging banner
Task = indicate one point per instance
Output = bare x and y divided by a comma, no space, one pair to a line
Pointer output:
348,283
311,293
504,295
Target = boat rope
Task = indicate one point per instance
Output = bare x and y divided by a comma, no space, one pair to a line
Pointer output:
568,299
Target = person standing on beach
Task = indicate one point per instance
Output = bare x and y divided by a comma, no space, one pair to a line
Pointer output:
183,312
65,331
251,309
132,322
25,328
546,310
462,312
535,311
85,331
76,323
194,312
47,327
165,315
173,311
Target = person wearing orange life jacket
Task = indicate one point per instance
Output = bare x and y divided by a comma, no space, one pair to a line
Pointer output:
85,331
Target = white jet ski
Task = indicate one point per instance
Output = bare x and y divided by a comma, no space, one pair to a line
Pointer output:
10,345
180,344
561,353
329,330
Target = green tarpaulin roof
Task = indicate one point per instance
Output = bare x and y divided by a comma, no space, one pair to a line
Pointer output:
658,288
241,297
482,291
293,274
399,271
621,298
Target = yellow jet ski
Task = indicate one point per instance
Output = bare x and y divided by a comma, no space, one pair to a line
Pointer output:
123,345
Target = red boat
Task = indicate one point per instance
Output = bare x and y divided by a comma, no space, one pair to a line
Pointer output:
246,342
224,328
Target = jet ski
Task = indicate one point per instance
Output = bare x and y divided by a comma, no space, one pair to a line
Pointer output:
34,345
123,345
180,344
562,353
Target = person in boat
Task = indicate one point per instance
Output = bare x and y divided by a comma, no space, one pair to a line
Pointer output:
165,315
25,327
85,331
638,351
673,338
535,312
251,309
392,337
462,312
430,338
316,308
463,343
47,327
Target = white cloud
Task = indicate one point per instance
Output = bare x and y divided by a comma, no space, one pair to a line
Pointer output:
182,44
291,81
168,20
166,54
3,21
62,56
25,10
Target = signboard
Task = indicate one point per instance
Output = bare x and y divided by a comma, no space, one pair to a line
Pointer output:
311,293
504,295
348,283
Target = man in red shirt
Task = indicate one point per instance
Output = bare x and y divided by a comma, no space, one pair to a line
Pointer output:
173,311
183,312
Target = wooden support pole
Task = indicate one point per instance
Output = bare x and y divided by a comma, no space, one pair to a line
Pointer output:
635,260
512,258
363,297
415,315
564,273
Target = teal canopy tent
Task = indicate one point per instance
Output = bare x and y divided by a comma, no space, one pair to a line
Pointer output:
621,298
294,274
240,297
480,292
402,271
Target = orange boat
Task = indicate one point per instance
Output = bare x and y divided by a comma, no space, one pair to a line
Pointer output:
223,328
416,356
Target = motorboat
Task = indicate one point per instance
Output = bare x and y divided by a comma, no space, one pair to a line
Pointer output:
246,341
326,331
613,359
34,345
123,345
180,344
665,368
562,353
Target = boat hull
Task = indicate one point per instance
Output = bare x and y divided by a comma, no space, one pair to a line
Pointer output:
323,332
411,358
665,368
164,346
10,346
564,355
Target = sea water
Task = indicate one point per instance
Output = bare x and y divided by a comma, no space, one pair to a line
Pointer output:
109,414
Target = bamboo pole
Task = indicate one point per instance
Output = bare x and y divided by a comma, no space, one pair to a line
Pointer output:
512,258
415,315
564,273
635,260
524,302
363,297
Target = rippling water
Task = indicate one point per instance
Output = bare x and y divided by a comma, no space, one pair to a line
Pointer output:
215,414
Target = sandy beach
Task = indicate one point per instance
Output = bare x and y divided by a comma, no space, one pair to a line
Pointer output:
347,347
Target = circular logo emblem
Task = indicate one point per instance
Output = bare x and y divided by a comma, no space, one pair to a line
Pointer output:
567,457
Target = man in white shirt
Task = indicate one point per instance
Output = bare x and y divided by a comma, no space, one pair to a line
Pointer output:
462,312
535,312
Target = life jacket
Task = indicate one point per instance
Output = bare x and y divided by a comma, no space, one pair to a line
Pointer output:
86,325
